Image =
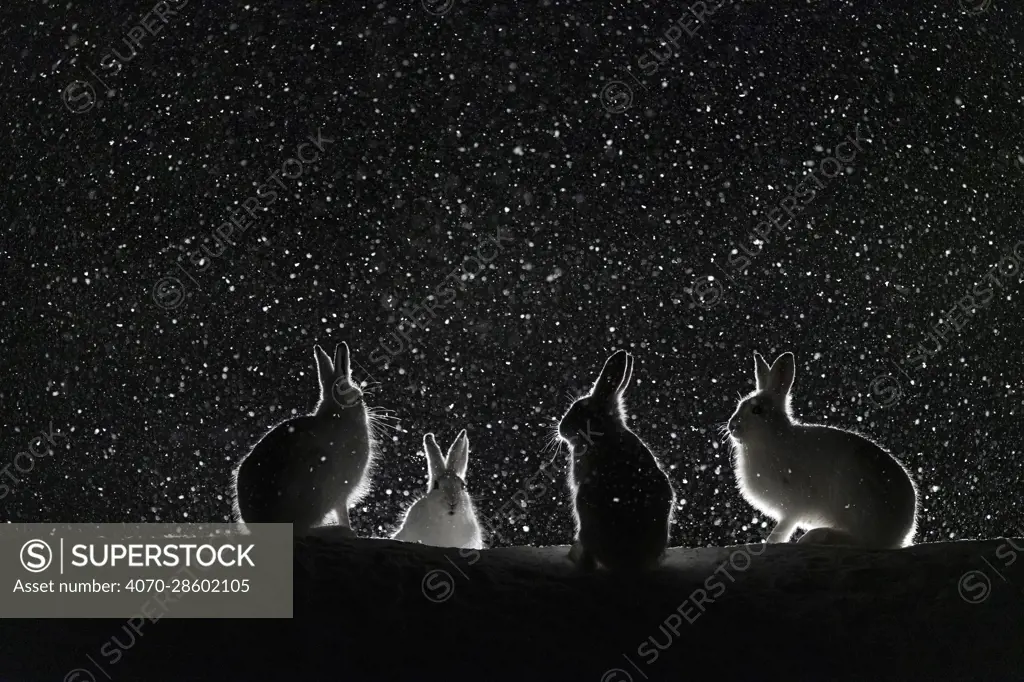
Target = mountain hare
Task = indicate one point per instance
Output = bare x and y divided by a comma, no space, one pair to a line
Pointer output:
310,468
622,499
844,488
445,516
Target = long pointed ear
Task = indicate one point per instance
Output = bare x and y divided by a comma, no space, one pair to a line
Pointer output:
342,363
324,370
627,375
435,460
762,372
783,373
458,455
611,375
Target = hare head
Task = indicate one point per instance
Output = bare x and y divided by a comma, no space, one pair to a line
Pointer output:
447,475
602,407
766,411
337,391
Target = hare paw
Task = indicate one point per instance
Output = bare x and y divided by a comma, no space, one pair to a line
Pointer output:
581,557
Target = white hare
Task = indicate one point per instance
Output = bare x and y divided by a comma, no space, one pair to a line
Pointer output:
838,485
310,469
445,516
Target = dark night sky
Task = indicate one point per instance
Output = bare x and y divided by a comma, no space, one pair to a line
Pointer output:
450,127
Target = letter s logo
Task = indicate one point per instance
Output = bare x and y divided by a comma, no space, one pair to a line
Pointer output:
36,556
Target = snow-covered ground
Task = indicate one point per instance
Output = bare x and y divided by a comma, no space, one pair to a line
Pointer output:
370,609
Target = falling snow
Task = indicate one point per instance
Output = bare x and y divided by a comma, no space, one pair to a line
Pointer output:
627,210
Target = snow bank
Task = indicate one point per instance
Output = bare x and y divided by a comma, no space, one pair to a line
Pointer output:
383,610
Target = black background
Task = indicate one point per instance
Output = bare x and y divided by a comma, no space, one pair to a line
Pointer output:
613,216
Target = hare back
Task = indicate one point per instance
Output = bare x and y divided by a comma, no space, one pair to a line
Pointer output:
620,468
826,476
300,471
860,469
623,503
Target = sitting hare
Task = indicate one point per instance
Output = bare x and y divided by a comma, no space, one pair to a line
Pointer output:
622,499
445,516
310,468
840,486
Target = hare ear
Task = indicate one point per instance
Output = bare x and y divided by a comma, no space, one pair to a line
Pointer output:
762,372
611,375
627,375
324,369
435,460
783,373
342,364
458,455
